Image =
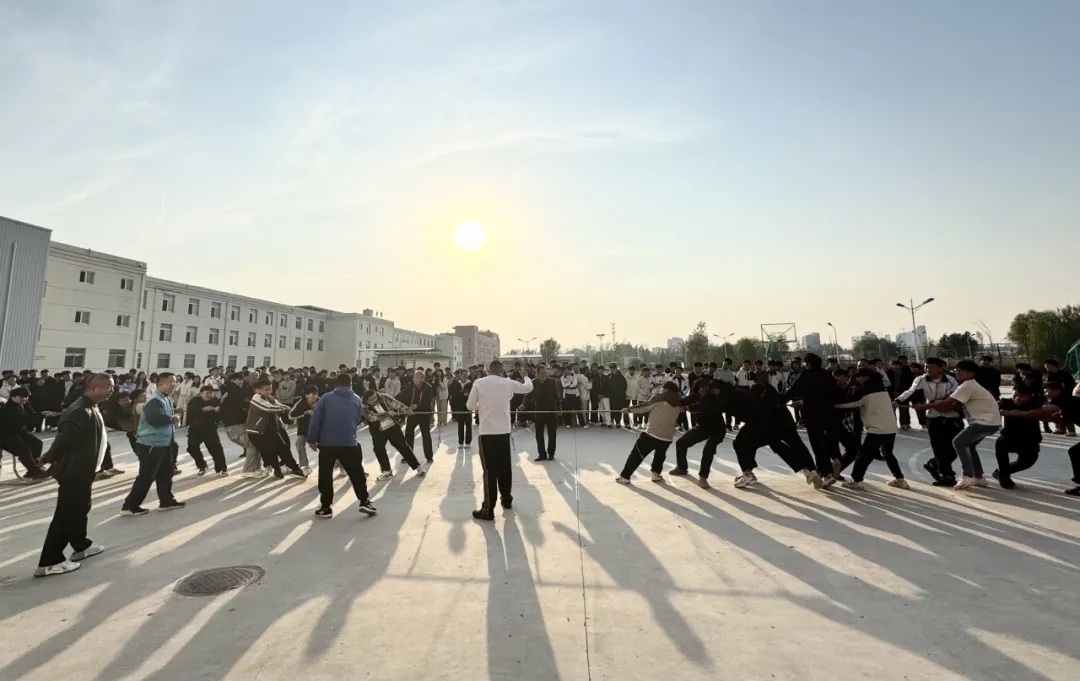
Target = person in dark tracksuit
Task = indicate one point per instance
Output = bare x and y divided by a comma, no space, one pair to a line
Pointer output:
1020,435
15,435
544,398
459,397
332,432
202,415
417,397
709,427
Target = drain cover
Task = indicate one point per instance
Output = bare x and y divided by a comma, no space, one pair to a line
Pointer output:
219,580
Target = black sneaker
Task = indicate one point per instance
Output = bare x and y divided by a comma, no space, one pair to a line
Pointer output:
483,515
367,509
297,472
931,468
138,510
944,482
540,458
278,474
507,502
202,472
324,513
171,505
175,471
1006,483
996,475
1074,492
678,471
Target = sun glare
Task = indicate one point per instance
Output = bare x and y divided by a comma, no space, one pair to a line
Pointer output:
470,236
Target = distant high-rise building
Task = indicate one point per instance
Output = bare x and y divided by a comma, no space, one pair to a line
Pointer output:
478,346
812,341
675,344
908,339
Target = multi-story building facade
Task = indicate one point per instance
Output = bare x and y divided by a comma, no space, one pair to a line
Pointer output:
812,341
479,346
24,252
453,347
101,311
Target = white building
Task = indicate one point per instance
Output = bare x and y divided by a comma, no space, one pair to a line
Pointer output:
91,311
675,344
909,339
24,255
812,341
453,347
101,311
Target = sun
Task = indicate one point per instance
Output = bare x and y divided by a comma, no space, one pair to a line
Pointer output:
470,236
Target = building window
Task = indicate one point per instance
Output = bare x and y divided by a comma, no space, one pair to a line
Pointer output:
234,313
284,320
234,338
311,325
320,345
193,306
269,320
138,360
368,345
123,320
142,330
192,336
296,343
266,361
281,342
231,364
127,284
268,340
75,357
211,361
308,343
253,316
168,302
215,310
82,316
213,336
86,277
299,322
145,295
165,334
322,326
251,340
163,361
189,361
250,362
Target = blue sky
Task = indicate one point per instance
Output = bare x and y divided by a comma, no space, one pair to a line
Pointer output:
652,164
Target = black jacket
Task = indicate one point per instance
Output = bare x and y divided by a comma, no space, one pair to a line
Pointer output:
199,419
459,396
417,398
14,420
74,452
816,388
615,390
234,406
299,413
989,378
544,396
710,414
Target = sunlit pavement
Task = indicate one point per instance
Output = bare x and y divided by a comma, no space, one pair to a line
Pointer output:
583,579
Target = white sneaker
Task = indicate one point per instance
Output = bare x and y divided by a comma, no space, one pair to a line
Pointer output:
965,483
385,475
58,569
812,478
656,477
900,483
622,481
981,482
851,484
91,550
420,472
745,480
828,482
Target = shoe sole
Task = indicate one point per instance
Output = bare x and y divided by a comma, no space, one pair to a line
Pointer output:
324,517
170,508
133,515
368,512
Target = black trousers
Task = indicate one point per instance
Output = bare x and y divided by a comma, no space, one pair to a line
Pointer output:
498,475
572,405
696,435
616,416
942,431
594,408
1026,456
27,449
464,430
824,435
69,522
550,423
393,435
155,467
645,445
209,436
905,415
874,443
274,449
1074,458
782,438
352,461
423,421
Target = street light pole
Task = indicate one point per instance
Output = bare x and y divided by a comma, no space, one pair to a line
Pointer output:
836,345
601,337
527,342
723,341
913,308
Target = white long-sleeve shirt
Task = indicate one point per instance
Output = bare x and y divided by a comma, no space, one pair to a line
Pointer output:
876,412
569,384
933,391
491,396
742,378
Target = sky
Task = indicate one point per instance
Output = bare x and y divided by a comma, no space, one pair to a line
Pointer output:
638,163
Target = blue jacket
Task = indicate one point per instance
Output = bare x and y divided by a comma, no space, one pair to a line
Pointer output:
336,418
156,423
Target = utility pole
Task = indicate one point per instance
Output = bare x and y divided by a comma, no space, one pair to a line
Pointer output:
601,337
613,341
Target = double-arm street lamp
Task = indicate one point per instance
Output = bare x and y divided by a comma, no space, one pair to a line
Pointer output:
913,308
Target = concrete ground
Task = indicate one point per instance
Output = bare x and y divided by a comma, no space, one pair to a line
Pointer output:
583,579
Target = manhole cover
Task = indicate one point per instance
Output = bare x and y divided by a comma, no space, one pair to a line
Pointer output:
219,580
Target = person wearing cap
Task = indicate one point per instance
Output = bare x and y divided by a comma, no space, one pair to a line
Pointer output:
15,435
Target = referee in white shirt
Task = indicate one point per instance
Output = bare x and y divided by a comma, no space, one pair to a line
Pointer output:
491,396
